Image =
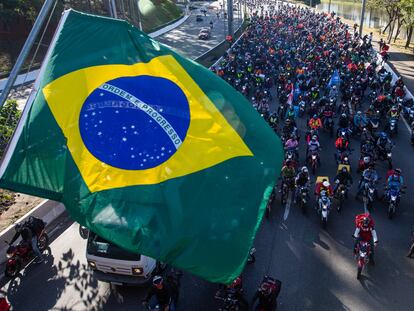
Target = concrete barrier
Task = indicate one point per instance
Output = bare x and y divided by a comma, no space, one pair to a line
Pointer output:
48,211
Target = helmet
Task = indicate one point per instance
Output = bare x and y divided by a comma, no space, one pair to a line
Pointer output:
314,137
359,113
266,288
304,169
343,115
397,171
383,135
344,169
157,280
315,116
365,222
288,161
334,87
326,183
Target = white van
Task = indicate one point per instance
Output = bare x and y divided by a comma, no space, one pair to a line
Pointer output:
114,265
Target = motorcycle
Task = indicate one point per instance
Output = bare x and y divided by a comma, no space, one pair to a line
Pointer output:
232,298
313,161
251,258
4,303
269,203
286,187
324,207
302,108
302,199
268,300
328,125
392,126
18,256
368,195
374,123
343,157
363,254
385,155
341,194
393,195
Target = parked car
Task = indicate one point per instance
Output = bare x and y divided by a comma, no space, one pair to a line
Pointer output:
199,18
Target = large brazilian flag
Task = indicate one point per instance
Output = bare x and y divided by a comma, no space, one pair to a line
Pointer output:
148,149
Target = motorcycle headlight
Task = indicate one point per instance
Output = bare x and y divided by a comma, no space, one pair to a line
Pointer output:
393,198
343,191
362,254
346,159
9,255
313,157
389,154
371,190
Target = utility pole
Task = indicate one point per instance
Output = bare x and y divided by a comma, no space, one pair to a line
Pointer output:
361,24
230,30
47,5
329,6
139,16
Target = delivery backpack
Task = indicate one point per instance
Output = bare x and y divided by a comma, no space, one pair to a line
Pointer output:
360,217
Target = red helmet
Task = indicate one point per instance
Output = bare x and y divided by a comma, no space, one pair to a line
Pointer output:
236,283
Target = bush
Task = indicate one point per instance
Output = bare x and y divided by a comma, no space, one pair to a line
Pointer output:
9,116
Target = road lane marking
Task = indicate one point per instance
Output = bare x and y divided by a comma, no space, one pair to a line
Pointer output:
287,206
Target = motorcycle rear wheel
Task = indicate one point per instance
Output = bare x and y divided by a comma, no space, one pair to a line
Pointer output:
43,242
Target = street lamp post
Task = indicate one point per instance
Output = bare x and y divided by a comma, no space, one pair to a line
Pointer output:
361,24
230,30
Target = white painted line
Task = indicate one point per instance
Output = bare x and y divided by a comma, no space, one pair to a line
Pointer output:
287,206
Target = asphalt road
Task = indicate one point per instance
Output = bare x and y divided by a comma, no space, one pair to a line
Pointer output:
315,265
184,39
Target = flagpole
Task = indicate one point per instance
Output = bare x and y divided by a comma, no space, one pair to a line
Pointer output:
47,5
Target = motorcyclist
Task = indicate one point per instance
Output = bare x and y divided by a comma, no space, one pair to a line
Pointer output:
368,176
343,177
292,145
395,181
313,145
342,145
288,172
360,120
333,93
160,294
29,237
267,294
302,179
383,144
365,231
315,122
273,120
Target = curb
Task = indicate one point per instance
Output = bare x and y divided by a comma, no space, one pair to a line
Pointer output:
48,211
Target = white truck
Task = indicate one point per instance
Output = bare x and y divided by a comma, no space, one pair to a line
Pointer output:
117,266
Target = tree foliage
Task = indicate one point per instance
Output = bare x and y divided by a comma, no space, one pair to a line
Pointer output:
9,116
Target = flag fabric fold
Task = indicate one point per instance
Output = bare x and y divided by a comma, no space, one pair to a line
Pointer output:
148,149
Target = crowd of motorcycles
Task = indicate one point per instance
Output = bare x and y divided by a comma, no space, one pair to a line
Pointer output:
293,65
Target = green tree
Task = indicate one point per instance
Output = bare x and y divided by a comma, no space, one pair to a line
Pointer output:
407,9
9,116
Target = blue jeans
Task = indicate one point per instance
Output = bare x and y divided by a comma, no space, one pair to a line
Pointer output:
35,247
